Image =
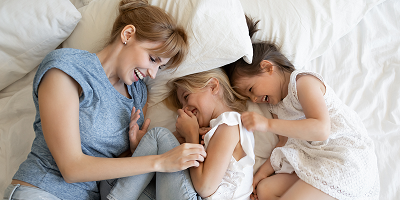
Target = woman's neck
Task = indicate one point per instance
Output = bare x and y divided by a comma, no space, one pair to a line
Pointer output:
108,59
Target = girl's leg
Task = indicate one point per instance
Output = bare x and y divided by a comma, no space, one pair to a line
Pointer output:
131,187
275,186
303,190
176,185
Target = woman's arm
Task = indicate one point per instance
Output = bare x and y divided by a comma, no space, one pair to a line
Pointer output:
59,111
316,126
208,175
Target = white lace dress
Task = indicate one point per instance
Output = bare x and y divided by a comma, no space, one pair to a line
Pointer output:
343,166
238,179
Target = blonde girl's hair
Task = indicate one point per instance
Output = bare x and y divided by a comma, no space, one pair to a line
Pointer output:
155,25
198,81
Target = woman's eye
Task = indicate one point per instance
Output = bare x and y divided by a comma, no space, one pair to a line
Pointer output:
250,89
186,96
152,59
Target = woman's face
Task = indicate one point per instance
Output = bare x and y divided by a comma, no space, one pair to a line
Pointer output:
136,61
200,103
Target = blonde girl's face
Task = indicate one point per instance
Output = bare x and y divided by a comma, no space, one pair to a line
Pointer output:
262,88
200,103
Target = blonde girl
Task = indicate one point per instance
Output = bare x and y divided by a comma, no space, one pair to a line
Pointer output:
328,154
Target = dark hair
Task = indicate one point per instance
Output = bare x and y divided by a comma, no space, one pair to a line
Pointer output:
152,24
262,50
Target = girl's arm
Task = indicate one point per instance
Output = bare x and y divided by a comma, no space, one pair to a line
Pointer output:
59,111
208,175
316,126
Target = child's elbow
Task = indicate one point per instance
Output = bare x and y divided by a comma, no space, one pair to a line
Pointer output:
204,190
325,132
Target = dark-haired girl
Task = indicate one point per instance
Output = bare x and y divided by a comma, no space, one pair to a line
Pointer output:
328,153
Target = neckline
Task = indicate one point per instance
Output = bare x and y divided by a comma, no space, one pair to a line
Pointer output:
110,86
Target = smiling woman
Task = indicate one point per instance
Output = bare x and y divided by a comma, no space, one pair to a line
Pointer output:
98,92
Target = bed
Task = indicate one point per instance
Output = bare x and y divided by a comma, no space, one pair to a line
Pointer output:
355,45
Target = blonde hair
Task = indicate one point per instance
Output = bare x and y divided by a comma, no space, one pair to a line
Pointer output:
152,24
198,81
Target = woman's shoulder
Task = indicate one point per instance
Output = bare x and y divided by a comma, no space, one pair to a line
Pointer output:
66,54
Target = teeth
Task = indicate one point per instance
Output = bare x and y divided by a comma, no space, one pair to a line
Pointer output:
138,74
265,98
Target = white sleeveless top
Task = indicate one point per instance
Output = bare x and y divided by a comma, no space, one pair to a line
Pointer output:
343,166
238,179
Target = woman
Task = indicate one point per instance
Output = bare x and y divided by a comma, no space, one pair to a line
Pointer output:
83,106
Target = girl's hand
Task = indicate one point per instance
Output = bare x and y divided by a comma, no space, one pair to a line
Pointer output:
253,196
135,134
182,157
202,133
254,122
187,126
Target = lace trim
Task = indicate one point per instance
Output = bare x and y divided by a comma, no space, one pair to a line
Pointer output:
228,186
329,187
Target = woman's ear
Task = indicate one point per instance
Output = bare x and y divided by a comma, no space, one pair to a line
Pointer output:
267,66
127,33
214,85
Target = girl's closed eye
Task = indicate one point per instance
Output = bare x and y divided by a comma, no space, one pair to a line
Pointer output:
250,89
152,59
186,96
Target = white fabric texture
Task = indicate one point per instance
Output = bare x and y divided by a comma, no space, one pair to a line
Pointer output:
306,29
343,166
238,179
217,34
362,67
264,141
29,31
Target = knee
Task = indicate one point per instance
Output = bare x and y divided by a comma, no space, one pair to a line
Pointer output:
265,191
159,132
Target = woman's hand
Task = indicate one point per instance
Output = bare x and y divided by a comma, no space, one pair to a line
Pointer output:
182,157
135,134
254,122
187,126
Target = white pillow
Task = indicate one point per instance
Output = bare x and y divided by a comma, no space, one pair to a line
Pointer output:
306,29
29,30
217,33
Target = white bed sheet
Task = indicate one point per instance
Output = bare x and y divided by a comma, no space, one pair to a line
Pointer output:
363,68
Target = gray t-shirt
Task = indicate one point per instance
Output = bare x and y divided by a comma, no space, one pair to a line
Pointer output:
104,116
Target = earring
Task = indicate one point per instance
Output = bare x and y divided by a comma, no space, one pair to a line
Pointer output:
125,42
